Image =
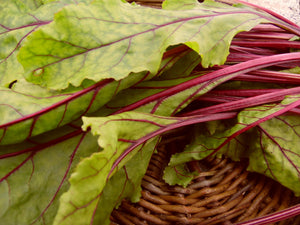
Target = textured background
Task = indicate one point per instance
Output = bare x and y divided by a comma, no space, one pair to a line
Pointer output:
287,8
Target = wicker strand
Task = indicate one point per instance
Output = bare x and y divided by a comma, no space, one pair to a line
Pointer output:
225,195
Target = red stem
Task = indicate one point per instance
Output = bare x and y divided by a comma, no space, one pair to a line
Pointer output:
274,217
226,73
244,92
254,78
183,121
243,103
278,44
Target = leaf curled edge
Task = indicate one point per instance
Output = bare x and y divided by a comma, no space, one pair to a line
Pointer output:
110,39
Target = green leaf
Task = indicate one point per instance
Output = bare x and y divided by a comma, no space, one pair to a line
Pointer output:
231,139
295,70
165,106
110,39
178,175
176,74
125,183
16,23
275,151
116,134
27,109
161,96
180,5
18,19
121,137
34,175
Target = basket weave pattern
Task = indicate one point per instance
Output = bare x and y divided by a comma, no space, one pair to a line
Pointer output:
223,193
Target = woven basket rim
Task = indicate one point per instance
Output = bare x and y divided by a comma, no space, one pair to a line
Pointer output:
226,184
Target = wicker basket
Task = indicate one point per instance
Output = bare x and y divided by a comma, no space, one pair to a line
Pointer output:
224,192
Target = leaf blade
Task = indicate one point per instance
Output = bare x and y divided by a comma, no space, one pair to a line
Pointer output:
92,174
234,143
26,108
276,154
17,21
120,143
129,34
34,175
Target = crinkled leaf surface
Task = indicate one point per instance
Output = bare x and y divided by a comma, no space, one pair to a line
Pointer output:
275,151
233,142
111,38
26,108
16,23
203,144
125,183
116,134
18,19
178,174
121,136
33,175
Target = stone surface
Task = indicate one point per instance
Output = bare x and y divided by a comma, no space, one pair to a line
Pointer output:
287,8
